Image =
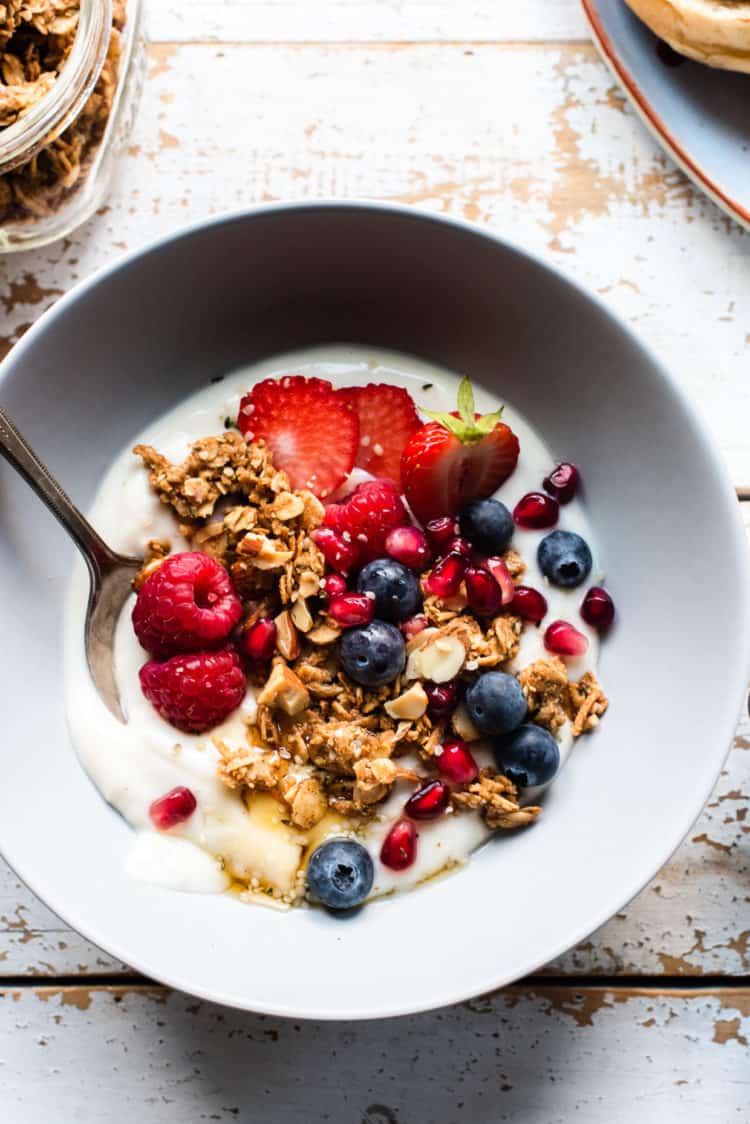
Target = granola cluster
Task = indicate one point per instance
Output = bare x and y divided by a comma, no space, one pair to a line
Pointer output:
319,741
36,38
554,700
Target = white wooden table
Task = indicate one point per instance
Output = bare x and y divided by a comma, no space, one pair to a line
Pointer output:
499,112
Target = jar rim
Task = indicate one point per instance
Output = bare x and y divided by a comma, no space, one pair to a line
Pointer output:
60,106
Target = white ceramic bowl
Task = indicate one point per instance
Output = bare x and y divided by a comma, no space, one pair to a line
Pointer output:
130,343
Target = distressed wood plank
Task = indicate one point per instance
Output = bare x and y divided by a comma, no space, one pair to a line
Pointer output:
527,1054
364,20
534,143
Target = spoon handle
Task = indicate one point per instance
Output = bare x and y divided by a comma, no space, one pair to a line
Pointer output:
23,458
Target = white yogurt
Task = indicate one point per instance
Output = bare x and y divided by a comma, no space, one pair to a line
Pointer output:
134,764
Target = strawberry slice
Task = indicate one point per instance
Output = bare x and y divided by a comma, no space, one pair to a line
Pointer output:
387,419
456,458
310,428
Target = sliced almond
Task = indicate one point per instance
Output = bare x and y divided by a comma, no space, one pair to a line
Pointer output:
413,669
324,634
464,726
308,584
442,658
273,556
301,615
414,648
287,637
267,554
409,706
419,640
457,602
285,691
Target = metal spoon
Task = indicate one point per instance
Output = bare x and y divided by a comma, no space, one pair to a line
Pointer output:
111,573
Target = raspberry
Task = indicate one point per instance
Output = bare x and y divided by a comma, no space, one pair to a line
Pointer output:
373,509
187,605
340,553
197,691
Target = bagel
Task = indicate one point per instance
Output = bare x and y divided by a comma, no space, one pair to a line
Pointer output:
715,32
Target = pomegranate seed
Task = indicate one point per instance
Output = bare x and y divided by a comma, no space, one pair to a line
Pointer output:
441,531
340,554
564,640
598,609
414,625
562,482
446,576
535,511
484,594
350,609
175,807
502,576
442,698
399,848
409,546
462,546
428,802
258,642
529,604
332,585
456,763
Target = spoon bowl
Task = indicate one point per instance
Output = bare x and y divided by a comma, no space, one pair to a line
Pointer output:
111,573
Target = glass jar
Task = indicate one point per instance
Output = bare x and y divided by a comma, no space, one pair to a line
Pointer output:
58,154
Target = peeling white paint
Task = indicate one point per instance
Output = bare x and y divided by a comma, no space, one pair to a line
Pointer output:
499,113
545,1057
337,21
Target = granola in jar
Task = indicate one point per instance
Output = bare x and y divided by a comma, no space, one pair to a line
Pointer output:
69,72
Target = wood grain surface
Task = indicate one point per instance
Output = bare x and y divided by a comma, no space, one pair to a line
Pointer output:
502,114
362,21
531,1055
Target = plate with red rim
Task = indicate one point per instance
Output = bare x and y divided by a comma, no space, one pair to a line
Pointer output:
697,114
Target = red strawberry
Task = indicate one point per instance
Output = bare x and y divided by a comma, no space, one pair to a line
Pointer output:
372,510
387,419
311,429
456,458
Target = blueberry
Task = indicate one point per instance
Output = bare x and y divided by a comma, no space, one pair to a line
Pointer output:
496,703
564,558
374,654
395,587
528,756
488,524
340,874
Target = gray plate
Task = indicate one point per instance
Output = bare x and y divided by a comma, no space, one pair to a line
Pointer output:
698,114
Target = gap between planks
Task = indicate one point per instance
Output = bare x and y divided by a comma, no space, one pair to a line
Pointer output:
376,44
683,986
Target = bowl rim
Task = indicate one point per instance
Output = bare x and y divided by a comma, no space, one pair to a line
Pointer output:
446,994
